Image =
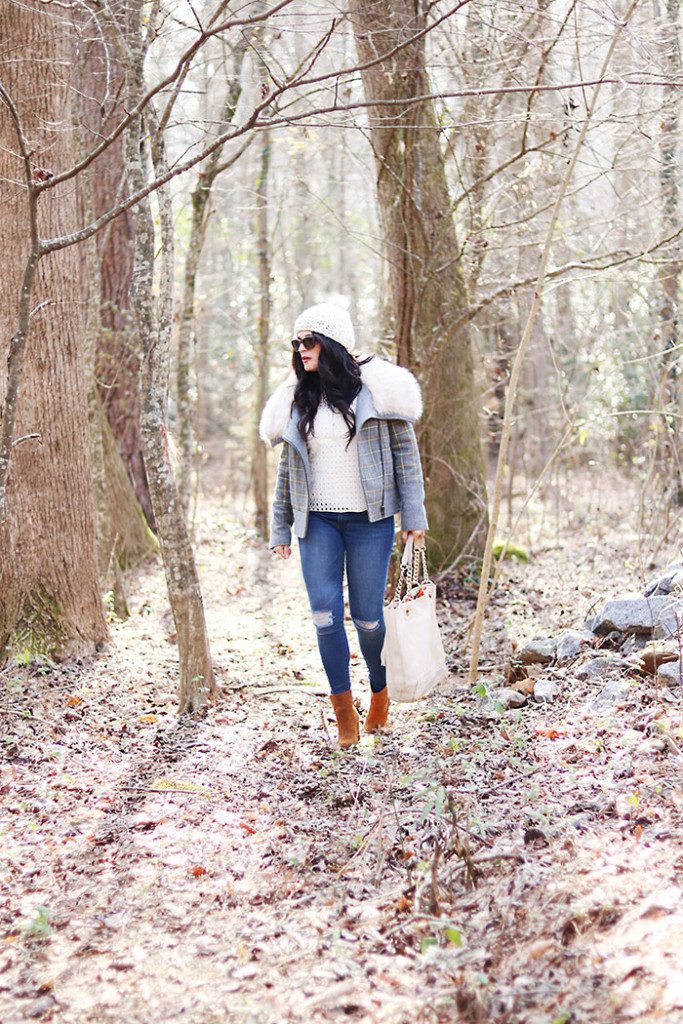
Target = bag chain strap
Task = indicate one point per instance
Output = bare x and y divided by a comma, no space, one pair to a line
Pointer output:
410,573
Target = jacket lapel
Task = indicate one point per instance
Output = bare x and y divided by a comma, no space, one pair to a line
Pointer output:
291,434
365,409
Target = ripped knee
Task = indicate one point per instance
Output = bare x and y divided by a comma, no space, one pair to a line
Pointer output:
323,619
367,627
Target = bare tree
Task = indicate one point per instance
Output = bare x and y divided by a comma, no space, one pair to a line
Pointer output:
259,460
200,199
154,326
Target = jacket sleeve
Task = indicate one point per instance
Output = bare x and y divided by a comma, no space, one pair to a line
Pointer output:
408,474
283,516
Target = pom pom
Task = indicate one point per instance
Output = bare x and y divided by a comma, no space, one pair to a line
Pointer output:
337,299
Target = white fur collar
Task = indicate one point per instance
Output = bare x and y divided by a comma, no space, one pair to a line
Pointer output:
395,395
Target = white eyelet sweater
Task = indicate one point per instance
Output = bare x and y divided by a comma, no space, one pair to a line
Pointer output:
335,474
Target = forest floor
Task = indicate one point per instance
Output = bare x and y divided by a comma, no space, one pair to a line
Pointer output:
469,865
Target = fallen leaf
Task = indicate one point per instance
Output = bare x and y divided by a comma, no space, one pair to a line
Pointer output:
143,821
552,734
525,686
164,782
539,948
198,871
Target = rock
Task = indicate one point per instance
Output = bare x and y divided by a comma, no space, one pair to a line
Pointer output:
666,901
509,698
670,620
670,674
598,667
40,1007
614,691
632,614
655,654
653,745
622,768
633,643
539,650
666,581
570,643
545,690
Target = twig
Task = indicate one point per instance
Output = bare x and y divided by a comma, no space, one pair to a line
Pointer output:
488,857
362,846
27,437
28,717
274,689
322,719
674,746
434,904
152,789
472,835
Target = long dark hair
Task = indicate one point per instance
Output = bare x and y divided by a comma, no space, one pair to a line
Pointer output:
337,380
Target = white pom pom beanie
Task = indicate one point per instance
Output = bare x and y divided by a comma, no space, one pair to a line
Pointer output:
330,318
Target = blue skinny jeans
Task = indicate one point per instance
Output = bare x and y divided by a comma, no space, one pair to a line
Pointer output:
331,539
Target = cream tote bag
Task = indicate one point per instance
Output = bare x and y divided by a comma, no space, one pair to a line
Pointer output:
413,651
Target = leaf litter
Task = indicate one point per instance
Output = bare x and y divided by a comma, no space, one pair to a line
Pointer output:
471,864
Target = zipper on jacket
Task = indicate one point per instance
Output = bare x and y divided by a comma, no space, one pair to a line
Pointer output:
381,456
362,481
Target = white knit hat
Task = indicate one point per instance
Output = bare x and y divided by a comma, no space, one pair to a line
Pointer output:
330,318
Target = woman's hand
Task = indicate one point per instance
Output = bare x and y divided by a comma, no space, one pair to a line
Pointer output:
282,550
417,535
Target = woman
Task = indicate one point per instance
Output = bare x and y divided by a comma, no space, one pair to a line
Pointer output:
349,462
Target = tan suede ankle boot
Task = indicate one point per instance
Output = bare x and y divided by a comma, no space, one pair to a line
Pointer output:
348,720
376,717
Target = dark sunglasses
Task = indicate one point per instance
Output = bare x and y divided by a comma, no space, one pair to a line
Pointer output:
308,342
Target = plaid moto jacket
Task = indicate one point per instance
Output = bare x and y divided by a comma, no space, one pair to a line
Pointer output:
388,404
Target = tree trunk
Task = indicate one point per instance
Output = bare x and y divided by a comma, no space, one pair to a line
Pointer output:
199,203
670,271
154,328
117,359
111,577
504,351
259,453
186,343
132,541
49,582
428,287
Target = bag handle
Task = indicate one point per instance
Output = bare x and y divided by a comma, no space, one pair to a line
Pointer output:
413,564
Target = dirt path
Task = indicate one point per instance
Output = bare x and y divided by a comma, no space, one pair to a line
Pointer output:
466,867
